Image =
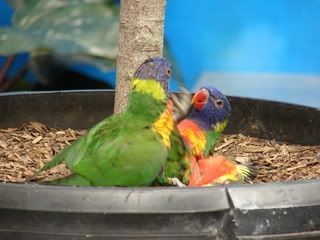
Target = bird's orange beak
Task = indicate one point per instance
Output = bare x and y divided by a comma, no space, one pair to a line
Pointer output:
200,99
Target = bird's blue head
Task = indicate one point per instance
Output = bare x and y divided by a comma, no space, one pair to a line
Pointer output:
210,107
156,68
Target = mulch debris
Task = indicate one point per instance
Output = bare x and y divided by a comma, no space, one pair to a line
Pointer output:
273,161
26,149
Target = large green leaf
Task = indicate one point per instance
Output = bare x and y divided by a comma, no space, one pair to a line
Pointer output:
76,30
68,27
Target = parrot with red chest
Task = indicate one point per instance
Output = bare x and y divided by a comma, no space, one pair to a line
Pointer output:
202,127
200,131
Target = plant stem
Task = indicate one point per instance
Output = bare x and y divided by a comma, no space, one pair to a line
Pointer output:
6,66
141,37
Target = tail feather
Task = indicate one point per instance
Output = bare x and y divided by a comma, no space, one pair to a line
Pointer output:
59,158
72,180
246,172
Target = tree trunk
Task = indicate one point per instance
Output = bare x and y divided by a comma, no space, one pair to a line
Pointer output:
141,36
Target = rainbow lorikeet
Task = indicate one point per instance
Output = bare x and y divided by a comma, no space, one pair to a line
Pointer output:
129,149
202,127
200,131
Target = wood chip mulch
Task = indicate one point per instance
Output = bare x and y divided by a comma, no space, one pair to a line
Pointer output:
272,161
26,149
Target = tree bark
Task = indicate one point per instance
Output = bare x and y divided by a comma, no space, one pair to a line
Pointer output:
141,37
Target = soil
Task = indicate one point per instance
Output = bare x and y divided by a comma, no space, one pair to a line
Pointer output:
26,149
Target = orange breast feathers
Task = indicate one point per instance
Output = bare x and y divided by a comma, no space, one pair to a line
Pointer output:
164,125
214,169
195,176
193,137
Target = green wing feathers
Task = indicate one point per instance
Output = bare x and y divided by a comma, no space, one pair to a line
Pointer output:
134,159
109,155
72,180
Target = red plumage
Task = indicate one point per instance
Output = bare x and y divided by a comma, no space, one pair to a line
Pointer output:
218,170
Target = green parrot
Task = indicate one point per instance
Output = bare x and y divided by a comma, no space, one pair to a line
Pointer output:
129,149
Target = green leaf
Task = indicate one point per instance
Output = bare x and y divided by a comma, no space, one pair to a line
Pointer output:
73,27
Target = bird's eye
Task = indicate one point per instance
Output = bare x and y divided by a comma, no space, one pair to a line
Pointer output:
219,103
169,72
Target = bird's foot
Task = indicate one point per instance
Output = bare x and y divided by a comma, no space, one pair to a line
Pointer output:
176,182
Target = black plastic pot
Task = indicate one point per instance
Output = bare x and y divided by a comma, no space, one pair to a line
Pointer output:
259,211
